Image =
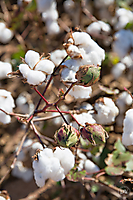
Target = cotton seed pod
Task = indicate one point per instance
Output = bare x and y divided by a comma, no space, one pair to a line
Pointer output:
66,136
94,133
88,75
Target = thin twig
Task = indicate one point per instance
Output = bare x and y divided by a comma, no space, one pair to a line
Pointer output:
15,159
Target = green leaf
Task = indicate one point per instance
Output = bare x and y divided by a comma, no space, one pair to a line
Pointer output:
119,146
129,164
114,171
75,175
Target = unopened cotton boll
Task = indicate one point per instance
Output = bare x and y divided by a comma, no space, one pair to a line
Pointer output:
127,136
118,69
31,58
22,172
7,104
57,56
5,68
90,167
80,92
106,111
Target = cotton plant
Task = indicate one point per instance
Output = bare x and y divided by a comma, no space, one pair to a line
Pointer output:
7,105
5,33
35,69
106,111
127,135
5,68
55,165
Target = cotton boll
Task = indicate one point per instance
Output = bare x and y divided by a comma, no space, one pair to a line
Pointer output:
52,27
68,75
44,5
22,172
73,64
85,117
97,27
35,77
57,56
7,104
2,198
90,167
106,111
123,42
46,66
69,5
31,58
66,158
5,68
2,27
34,147
118,69
51,13
80,92
123,100
6,35
47,152
73,51
127,136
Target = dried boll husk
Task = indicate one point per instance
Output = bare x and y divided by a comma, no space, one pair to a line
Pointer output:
88,75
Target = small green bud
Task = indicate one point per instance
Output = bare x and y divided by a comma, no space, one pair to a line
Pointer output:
88,75
94,133
66,136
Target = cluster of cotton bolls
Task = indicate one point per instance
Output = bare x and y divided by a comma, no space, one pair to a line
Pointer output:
21,171
127,136
124,100
55,165
6,104
49,15
36,68
5,68
5,33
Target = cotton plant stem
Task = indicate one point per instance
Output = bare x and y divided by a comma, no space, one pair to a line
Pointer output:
15,159
61,114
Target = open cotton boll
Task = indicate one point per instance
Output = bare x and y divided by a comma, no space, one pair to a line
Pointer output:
51,13
68,75
66,157
73,51
123,42
35,77
52,27
127,136
73,64
85,117
44,5
46,66
97,27
6,35
106,111
34,147
90,167
39,178
123,100
22,172
118,69
5,68
7,104
81,92
31,58
57,56
69,5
